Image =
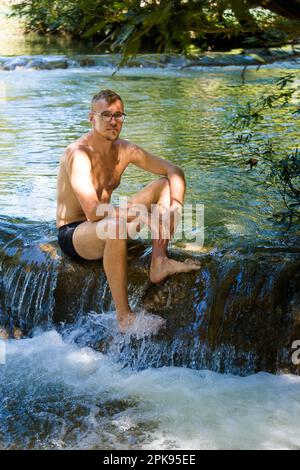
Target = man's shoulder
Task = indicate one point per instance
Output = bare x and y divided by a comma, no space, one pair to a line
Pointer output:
127,146
76,151
76,148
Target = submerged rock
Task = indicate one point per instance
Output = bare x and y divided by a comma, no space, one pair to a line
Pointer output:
12,64
240,58
240,313
48,64
37,63
86,62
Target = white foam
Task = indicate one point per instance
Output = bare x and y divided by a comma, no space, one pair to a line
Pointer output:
166,408
145,324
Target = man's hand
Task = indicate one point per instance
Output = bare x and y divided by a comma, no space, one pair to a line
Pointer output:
162,221
131,212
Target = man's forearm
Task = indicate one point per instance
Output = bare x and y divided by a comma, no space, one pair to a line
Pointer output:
96,211
177,185
102,210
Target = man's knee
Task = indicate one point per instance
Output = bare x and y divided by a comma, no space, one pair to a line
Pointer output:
112,230
162,186
110,226
164,181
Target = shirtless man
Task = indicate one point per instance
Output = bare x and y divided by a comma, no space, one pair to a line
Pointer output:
90,170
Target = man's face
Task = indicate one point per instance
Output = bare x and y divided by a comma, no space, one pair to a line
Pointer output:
111,129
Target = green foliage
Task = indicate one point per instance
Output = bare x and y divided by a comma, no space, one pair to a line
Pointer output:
46,16
280,170
132,26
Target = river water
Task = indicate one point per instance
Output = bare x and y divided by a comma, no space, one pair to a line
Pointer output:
179,115
58,393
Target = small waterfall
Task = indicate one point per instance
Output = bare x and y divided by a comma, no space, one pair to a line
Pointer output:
240,313
148,61
27,298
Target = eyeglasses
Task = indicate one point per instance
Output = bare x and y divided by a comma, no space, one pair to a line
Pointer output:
107,116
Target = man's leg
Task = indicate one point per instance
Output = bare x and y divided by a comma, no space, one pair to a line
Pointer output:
114,253
158,192
115,267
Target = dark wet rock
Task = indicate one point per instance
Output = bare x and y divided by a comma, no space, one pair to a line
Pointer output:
252,162
158,60
37,63
86,62
273,53
223,60
255,57
174,61
240,313
12,64
47,64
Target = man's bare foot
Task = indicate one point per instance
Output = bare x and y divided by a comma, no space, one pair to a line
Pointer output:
162,267
125,320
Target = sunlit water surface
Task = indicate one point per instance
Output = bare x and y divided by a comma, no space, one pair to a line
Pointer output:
56,393
183,116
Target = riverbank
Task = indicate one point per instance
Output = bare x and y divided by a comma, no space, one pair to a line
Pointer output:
257,57
19,50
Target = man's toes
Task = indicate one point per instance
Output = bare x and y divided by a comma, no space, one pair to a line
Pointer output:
192,265
192,262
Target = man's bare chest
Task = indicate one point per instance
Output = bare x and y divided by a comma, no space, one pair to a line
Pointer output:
106,178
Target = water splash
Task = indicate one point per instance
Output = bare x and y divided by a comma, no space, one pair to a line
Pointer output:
145,324
27,297
68,396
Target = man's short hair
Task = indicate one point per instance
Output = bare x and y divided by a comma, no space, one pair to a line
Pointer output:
109,96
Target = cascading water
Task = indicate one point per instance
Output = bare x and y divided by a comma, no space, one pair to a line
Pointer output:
231,316
73,381
58,395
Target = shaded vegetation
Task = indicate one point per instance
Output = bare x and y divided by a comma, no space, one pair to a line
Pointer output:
281,170
184,26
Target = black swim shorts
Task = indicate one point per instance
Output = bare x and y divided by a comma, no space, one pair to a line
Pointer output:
65,234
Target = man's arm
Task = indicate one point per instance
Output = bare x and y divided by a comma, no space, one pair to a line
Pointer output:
78,167
79,171
159,166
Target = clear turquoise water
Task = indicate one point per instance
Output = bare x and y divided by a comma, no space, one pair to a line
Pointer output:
57,394
182,116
